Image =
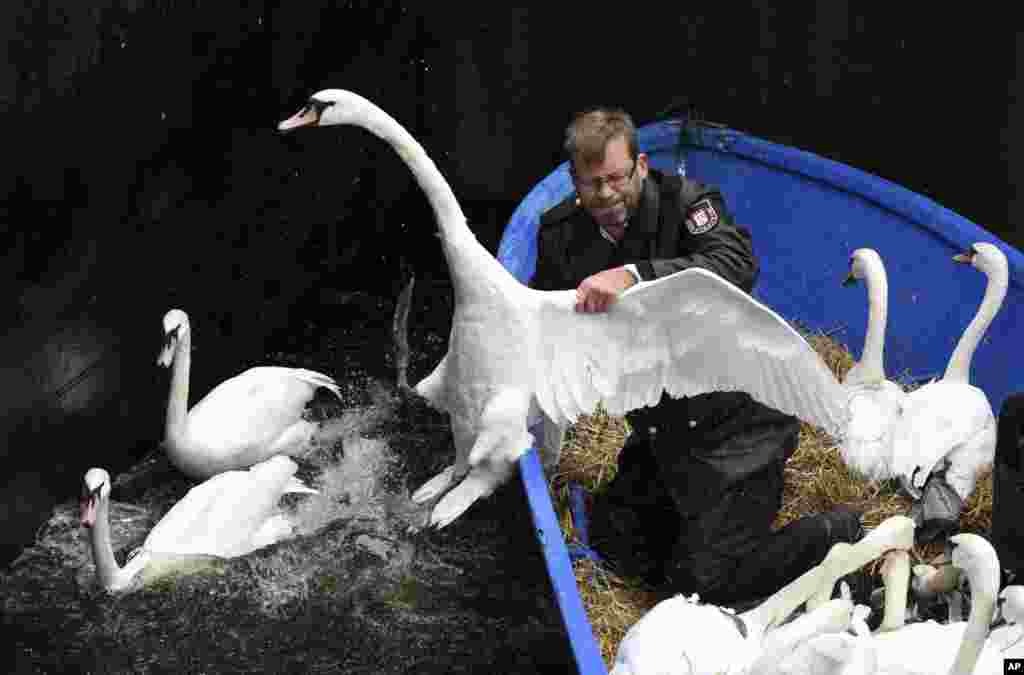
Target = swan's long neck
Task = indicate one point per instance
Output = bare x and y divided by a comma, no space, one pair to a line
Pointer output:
475,272
983,604
442,200
959,367
871,367
815,586
177,399
107,569
897,582
779,606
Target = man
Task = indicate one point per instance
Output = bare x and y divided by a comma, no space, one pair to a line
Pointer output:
1008,489
700,480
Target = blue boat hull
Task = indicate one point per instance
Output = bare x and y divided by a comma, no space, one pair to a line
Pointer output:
807,214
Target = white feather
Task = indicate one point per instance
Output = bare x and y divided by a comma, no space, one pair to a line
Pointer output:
243,420
950,420
516,354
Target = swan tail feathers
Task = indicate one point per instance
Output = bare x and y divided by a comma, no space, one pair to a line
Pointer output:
295,485
316,379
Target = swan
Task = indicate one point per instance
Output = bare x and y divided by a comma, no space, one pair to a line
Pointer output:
930,582
833,652
949,420
851,652
243,420
875,402
958,647
1009,638
228,515
518,356
681,635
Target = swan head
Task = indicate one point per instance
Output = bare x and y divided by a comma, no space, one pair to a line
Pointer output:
1011,604
95,488
860,260
175,327
327,107
983,256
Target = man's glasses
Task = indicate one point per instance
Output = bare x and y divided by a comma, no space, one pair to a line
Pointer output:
616,181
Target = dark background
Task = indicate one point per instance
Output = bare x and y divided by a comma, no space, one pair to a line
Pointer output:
143,169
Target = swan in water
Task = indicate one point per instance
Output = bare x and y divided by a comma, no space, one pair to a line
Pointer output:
875,402
949,420
518,356
681,635
229,515
244,419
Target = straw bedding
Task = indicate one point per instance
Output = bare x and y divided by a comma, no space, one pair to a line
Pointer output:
816,480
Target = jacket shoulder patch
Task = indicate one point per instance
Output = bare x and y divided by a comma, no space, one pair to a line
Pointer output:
702,217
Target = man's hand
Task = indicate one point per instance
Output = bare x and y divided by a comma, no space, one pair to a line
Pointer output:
597,292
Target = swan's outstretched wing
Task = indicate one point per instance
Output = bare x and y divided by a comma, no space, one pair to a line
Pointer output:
254,407
687,333
937,418
221,515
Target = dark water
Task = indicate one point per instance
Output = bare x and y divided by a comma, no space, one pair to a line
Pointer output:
355,592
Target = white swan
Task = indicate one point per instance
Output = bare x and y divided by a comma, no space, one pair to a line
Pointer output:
833,652
957,648
853,653
229,515
875,402
1009,638
243,420
517,356
680,635
950,420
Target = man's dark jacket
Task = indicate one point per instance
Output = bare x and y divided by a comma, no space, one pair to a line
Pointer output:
728,435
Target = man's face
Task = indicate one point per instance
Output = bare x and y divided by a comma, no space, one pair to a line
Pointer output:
610,189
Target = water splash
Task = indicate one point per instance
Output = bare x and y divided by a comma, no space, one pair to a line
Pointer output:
360,587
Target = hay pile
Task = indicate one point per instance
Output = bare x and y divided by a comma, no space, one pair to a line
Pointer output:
816,481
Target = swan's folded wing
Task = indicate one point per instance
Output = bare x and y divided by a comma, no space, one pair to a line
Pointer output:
254,407
936,419
687,333
220,515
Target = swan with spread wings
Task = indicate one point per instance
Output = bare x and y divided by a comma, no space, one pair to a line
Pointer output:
518,356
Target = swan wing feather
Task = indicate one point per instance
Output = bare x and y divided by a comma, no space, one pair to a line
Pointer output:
686,333
937,418
221,515
254,407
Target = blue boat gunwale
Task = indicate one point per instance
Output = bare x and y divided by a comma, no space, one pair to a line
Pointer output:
517,252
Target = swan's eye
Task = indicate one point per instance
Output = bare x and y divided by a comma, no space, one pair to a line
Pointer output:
318,105
171,335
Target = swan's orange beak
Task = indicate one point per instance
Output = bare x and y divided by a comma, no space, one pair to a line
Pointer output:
87,510
307,117
966,258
